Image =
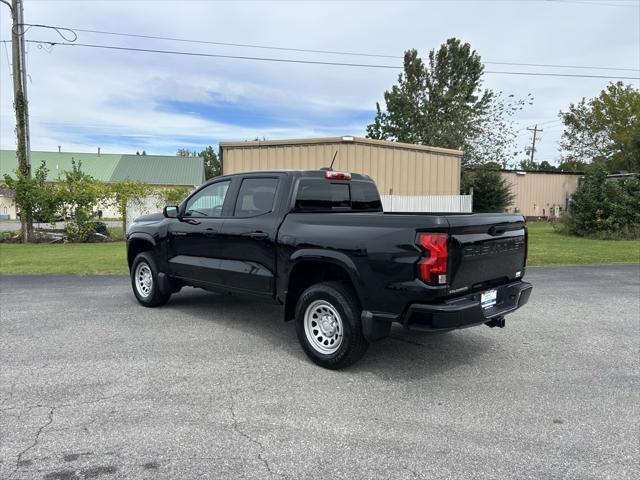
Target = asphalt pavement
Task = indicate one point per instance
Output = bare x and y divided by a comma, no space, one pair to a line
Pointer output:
94,386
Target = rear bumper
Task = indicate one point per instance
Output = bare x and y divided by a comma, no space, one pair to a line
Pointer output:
466,311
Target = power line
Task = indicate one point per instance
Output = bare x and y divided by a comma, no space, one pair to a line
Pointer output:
308,62
327,52
229,44
599,4
564,66
558,120
6,52
58,30
579,2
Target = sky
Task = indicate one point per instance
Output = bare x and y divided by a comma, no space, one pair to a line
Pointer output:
82,98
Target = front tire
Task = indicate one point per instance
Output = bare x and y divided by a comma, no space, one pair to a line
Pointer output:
144,281
328,325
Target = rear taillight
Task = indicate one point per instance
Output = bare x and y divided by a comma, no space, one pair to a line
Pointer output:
433,268
526,245
330,175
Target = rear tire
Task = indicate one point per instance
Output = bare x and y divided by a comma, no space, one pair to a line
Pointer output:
144,281
328,325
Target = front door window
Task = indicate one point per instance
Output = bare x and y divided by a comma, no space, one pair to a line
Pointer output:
208,202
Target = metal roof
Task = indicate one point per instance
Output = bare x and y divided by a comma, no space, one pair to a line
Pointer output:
160,170
333,140
100,167
545,172
153,169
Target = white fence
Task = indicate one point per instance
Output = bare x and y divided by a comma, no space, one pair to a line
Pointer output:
428,203
143,206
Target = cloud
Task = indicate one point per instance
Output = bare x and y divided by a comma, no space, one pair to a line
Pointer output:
125,101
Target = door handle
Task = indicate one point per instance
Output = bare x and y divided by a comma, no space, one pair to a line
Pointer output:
258,235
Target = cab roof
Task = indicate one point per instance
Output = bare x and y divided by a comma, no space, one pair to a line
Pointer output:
293,173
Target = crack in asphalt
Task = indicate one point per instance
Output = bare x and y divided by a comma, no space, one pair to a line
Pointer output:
52,409
28,408
35,441
10,396
412,471
236,427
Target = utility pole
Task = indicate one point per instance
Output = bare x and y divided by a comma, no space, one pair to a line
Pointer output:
19,76
535,131
23,69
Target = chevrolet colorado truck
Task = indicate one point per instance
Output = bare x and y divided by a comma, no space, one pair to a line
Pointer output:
319,244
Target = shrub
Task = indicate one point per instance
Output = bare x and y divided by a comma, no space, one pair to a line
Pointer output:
491,193
605,207
174,195
125,193
80,195
34,195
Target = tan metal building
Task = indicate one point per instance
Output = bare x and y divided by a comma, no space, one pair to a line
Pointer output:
397,168
541,194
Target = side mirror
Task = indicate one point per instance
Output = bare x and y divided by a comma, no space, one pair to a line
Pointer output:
171,211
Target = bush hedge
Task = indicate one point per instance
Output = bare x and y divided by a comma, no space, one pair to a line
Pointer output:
605,207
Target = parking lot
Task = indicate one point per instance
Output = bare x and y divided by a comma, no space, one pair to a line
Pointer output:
94,386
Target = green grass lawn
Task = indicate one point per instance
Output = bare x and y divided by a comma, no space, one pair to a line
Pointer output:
546,247
68,258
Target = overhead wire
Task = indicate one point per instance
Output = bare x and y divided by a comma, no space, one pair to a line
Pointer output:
58,30
558,120
6,51
599,4
308,62
325,52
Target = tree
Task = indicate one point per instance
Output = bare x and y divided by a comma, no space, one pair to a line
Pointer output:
212,165
604,129
567,165
34,196
491,192
605,207
124,193
442,103
545,166
532,166
183,152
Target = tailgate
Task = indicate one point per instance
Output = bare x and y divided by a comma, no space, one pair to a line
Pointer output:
486,249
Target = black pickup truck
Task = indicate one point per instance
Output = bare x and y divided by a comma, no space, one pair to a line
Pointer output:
318,243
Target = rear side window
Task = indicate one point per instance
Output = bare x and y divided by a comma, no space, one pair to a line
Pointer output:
256,196
324,195
365,196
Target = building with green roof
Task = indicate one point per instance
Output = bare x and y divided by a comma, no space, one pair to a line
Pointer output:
163,170
158,170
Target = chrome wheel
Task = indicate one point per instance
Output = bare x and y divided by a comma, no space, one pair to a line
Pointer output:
143,279
323,327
